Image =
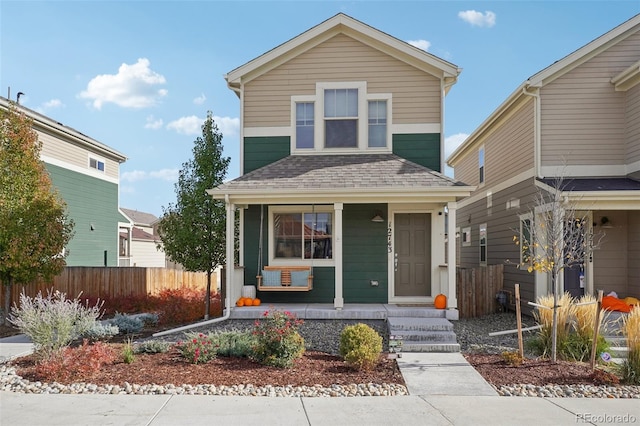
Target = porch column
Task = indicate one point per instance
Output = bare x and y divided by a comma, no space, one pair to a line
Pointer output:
452,300
230,237
338,301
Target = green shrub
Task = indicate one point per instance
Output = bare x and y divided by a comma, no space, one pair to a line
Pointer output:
101,331
53,322
360,346
237,344
152,347
278,342
127,324
197,348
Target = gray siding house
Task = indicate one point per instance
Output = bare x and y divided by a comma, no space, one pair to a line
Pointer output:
578,119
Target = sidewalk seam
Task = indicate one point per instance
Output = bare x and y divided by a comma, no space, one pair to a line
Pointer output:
159,410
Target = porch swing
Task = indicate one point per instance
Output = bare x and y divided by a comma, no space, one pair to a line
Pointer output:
283,278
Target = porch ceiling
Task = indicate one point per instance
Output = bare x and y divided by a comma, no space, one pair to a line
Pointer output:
342,178
612,193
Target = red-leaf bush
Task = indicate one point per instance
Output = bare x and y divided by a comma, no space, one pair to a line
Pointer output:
73,363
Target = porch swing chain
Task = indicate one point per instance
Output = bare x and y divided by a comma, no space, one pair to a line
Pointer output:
260,239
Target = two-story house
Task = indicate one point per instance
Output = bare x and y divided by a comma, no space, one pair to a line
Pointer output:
579,120
86,173
341,157
139,240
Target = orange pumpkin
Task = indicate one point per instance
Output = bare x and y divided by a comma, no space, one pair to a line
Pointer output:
440,302
256,302
248,301
240,302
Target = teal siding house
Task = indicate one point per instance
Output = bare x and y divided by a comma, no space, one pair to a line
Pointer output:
86,174
342,159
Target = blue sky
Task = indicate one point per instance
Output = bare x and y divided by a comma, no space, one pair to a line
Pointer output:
140,76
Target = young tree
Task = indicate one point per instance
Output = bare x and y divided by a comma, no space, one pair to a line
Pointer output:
558,237
192,230
34,226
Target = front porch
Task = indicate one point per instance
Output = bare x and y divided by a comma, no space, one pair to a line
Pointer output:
350,311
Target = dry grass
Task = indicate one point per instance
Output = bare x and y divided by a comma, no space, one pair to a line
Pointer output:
585,316
544,317
631,330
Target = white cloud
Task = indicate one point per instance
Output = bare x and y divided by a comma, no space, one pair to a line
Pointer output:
478,19
228,126
191,125
134,86
53,103
200,99
420,44
153,123
169,175
452,142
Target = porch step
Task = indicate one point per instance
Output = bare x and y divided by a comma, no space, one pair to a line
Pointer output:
426,311
424,334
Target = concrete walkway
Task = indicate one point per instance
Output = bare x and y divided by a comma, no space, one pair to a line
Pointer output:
444,388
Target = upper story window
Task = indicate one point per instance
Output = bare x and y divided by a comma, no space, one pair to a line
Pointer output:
341,117
96,163
304,124
481,164
377,124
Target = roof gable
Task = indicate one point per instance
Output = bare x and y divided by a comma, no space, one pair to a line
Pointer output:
342,24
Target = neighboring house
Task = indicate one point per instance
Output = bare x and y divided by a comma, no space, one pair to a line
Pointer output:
86,174
138,240
341,157
578,119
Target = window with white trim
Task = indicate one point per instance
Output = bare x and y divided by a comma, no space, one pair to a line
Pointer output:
466,237
377,124
301,235
305,125
341,118
483,244
96,163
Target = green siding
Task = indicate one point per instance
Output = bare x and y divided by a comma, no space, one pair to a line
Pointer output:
260,151
89,201
364,257
421,148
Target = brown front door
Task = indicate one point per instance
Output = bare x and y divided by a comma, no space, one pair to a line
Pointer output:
412,257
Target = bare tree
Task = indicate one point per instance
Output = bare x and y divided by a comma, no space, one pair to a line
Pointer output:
558,237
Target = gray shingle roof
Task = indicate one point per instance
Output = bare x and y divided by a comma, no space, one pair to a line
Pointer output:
139,218
350,172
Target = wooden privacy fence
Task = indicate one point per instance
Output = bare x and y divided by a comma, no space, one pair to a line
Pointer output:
113,282
477,289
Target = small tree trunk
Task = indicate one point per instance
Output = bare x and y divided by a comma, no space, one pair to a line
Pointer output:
207,302
554,321
7,301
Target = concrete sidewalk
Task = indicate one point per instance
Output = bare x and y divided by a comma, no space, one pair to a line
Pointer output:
444,390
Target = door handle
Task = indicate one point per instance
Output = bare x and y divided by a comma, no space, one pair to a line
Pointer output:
395,262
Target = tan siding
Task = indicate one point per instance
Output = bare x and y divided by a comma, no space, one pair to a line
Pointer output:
633,124
416,95
73,154
633,271
582,115
509,149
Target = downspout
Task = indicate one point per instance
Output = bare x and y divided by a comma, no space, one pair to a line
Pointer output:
536,128
227,304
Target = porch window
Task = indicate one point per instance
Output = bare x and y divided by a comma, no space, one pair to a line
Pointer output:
377,124
304,124
483,244
525,241
341,118
302,235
